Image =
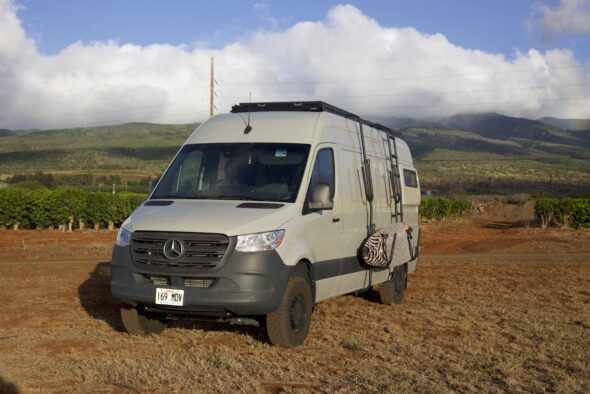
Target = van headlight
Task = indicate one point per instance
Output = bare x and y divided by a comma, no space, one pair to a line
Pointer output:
260,241
124,234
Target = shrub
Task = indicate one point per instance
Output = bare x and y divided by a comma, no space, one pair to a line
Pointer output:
563,212
45,208
545,210
581,213
438,208
74,202
461,208
12,207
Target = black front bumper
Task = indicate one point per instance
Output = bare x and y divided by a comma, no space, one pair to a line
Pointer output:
244,284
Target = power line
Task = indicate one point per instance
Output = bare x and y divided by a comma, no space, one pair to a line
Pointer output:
430,93
57,92
547,159
350,61
349,96
404,78
122,109
356,108
79,124
389,107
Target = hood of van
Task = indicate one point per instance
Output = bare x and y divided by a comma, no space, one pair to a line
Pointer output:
212,216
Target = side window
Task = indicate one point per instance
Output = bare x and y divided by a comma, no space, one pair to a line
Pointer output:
410,179
323,171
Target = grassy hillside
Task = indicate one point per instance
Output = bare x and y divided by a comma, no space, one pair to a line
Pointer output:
142,147
497,126
472,151
524,159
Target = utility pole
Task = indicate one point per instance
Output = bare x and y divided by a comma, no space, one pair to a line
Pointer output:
212,94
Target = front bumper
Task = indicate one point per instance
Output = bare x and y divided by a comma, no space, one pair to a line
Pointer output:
244,284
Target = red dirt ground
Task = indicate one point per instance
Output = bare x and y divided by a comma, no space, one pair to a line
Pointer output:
496,304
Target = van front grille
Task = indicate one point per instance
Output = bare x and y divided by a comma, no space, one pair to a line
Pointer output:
183,250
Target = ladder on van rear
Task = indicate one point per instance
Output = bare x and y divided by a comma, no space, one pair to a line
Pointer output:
394,176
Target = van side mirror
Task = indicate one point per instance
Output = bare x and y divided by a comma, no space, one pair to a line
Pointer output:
320,197
153,184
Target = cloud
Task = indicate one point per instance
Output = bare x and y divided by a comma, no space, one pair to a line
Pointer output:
262,11
348,59
570,16
260,5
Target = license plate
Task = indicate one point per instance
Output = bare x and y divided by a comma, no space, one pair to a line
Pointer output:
169,297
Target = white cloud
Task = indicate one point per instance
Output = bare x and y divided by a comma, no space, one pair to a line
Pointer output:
570,16
348,60
262,10
260,5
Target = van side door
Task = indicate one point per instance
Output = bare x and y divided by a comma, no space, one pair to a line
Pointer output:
324,227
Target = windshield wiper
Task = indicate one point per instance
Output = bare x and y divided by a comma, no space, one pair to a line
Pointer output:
246,198
231,197
212,197
170,197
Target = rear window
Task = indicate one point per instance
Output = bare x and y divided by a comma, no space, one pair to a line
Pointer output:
410,178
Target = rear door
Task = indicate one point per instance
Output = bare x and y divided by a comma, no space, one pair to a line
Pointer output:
411,195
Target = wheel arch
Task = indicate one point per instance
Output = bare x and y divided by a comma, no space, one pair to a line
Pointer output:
304,268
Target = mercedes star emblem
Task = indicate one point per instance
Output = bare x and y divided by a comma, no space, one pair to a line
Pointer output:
173,249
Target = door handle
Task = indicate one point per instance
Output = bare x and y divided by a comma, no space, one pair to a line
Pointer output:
335,220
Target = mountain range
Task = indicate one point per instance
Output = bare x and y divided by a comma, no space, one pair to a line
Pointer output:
449,150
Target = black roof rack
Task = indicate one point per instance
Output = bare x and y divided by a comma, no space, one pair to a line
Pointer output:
306,106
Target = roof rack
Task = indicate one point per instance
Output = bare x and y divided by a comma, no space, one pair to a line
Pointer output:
306,106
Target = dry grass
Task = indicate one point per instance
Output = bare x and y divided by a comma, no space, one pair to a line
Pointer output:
467,324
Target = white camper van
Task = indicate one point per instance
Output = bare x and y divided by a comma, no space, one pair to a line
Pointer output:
262,214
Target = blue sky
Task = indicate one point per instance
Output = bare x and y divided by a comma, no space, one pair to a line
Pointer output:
498,26
80,63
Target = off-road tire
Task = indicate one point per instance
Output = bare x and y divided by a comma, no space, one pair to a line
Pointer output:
137,324
289,324
392,292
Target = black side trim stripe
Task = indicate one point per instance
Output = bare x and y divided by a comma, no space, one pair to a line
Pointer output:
331,268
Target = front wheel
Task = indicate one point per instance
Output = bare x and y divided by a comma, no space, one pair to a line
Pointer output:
392,292
289,324
137,324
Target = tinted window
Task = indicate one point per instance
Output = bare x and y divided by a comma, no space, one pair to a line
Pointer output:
410,178
323,171
269,172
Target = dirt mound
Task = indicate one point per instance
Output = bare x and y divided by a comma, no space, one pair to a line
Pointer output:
513,212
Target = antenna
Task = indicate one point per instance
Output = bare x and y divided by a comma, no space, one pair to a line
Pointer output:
248,127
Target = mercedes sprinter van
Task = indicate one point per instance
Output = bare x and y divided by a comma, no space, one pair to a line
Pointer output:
261,214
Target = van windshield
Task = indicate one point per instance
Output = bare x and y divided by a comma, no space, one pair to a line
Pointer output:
257,171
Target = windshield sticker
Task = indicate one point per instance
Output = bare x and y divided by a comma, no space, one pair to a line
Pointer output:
281,152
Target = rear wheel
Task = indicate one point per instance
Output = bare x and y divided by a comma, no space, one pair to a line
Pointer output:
136,323
289,324
392,292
